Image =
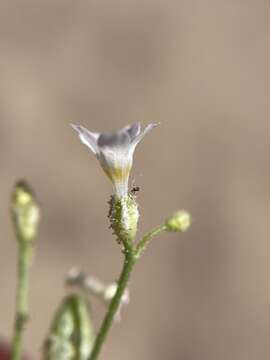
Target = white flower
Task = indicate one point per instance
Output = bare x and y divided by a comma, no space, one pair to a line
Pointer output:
115,151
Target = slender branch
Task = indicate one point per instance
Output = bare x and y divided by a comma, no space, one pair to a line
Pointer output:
147,239
21,316
113,307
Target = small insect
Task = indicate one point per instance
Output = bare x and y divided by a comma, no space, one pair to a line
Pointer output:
134,190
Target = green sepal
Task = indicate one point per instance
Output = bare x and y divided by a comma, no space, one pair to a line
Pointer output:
124,216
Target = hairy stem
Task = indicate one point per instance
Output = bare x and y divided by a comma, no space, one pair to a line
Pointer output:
147,238
21,314
113,307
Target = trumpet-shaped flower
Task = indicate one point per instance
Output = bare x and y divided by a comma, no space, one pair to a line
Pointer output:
115,151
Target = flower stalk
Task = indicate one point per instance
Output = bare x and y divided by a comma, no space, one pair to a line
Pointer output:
180,221
147,239
132,253
21,317
25,216
129,263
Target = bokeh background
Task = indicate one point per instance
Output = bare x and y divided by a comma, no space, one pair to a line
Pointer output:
201,69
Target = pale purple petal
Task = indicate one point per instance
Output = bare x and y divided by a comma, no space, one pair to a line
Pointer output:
87,137
120,139
133,130
139,137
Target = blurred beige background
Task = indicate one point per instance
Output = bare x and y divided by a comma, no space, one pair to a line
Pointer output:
201,68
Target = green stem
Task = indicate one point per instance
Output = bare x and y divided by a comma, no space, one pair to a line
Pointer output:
108,320
21,316
147,238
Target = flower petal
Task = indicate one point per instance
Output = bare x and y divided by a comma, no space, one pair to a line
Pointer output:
139,137
133,130
117,165
120,139
87,137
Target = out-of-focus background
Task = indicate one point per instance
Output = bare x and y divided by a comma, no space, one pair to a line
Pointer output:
201,69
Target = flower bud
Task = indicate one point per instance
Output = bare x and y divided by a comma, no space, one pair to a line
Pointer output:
124,216
25,212
71,335
179,221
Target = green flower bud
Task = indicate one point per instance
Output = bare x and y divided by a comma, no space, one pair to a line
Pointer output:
25,212
124,216
71,336
179,221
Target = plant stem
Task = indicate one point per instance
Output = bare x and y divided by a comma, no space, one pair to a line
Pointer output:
113,307
21,316
147,238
